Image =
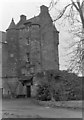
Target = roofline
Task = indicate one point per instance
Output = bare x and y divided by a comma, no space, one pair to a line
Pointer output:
30,23
2,31
10,29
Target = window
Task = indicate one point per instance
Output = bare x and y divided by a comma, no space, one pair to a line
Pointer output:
23,71
28,57
28,28
28,40
11,55
20,30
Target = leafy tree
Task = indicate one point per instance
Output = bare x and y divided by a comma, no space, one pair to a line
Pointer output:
48,79
59,86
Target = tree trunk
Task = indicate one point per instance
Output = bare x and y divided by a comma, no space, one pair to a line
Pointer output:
52,98
83,39
51,93
83,52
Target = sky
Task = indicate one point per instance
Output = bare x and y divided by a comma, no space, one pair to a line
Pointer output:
14,8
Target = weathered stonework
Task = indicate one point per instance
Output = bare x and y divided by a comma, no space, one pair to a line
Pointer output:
48,41
36,41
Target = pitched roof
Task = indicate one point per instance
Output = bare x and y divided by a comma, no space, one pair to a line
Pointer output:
34,20
21,26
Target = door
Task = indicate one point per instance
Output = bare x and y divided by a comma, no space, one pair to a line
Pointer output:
28,91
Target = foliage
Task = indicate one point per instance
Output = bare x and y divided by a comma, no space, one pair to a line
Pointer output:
72,85
43,92
67,86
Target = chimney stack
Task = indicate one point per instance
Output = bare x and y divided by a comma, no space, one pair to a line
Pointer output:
43,9
22,17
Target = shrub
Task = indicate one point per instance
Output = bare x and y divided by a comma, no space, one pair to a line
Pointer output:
43,93
62,86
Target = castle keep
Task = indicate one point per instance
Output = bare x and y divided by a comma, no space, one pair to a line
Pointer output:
31,42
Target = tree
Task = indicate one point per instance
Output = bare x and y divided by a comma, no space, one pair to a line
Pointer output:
74,13
47,81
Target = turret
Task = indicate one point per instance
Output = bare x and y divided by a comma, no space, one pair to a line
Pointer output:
12,25
11,32
12,46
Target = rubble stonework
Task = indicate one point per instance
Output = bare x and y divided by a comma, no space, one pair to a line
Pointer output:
34,40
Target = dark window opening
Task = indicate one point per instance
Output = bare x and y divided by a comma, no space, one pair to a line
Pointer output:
28,40
28,59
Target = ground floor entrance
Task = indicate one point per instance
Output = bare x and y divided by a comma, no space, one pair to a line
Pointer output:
28,91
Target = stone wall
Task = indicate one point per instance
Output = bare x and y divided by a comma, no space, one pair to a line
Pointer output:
49,44
35,54
39,39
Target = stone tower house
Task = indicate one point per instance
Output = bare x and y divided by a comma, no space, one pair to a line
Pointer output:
33,41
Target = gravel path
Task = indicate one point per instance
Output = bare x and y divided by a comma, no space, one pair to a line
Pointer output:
21,108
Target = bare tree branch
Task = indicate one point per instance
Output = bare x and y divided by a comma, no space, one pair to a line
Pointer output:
73,13
75,5
62,13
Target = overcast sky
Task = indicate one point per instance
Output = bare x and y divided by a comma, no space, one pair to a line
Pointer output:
14,8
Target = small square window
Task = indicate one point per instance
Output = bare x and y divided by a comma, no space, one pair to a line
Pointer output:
11,55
